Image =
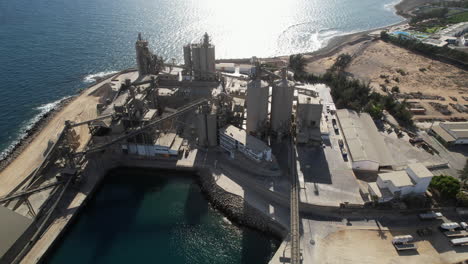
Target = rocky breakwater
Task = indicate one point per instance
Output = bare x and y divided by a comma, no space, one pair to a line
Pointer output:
236,209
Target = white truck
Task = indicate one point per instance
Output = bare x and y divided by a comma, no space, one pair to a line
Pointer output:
430,215
450,226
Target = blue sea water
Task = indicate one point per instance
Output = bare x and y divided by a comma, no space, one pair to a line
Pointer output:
50,48
157,217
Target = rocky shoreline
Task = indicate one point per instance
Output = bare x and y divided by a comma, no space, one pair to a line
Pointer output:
31,133
236,209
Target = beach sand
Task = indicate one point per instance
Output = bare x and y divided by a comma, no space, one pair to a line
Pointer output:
81,108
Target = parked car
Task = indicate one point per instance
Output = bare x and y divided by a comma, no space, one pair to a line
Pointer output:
464,225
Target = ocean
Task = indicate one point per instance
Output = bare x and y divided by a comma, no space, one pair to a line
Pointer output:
51,49
140,216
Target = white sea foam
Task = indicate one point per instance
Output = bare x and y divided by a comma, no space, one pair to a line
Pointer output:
42,111
92,77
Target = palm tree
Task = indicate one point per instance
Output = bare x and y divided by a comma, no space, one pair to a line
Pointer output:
297,63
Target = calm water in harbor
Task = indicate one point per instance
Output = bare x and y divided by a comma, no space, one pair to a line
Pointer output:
157,217
50,49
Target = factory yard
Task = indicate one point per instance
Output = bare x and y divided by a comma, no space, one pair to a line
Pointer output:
375,246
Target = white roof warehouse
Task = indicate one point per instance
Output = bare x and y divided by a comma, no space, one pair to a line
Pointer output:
451,133
366,146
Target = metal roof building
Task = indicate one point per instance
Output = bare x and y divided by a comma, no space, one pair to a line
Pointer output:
366,146
231,138
451,132
12,227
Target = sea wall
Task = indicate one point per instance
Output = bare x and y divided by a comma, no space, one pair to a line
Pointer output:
236,209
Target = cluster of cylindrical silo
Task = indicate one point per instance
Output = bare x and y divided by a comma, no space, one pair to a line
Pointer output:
199,58
281,105
207,127
257,105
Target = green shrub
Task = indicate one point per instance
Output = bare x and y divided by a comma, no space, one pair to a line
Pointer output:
402,72
356,95
448,186
297,63
462,199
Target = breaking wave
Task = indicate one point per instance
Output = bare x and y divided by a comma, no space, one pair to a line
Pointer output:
92,77
303,37
25,130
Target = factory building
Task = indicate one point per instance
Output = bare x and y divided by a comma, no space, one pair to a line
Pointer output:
199,59
166,144
147,62
257,105
366,146
281,105
397,184
308,115
451,133
232,138
13,227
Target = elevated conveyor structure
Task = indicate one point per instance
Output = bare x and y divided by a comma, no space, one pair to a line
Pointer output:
295,220
142,129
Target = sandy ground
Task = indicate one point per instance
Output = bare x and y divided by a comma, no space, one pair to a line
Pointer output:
80,109
382,58
375,58
375,247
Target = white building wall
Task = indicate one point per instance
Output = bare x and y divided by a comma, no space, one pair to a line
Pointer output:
422,185
406,190
392,187
150,150
412,175
381,183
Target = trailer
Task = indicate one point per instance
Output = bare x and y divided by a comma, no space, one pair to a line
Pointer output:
456,233
405,246
430,215
464,225
459,241
402,243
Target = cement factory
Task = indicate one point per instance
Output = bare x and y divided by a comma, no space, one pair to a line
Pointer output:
160,115
237,126
240,113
